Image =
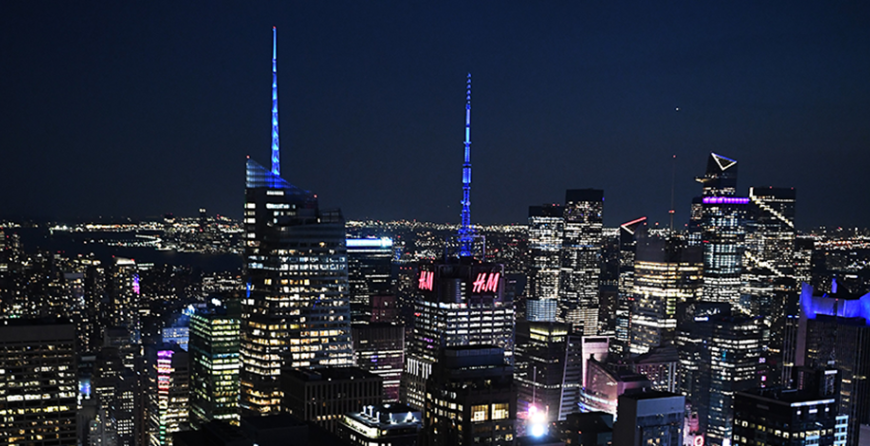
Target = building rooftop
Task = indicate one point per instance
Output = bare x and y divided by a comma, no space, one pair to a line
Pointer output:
388,416
329,374
787,396
279,421
648,394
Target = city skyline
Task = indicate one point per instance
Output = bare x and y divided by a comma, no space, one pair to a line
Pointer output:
137,110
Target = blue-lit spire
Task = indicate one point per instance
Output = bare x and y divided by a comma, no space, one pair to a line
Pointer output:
276,152
466,231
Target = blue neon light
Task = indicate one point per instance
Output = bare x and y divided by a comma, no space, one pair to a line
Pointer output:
829,305
276,153
466,231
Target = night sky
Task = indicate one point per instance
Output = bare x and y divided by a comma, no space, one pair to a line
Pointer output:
138,108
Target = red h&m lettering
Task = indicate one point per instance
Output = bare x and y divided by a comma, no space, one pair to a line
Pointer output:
485,282
426,278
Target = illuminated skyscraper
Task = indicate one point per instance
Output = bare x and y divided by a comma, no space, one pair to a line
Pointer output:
549,368
124,293
214,365
727,354
167,392
770,229
581,259
722,230
546,229
38,383
460,302
666,272
770,283
296,310
628,234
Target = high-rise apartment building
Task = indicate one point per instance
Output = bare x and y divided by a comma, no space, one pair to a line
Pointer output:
666,272
546,229
581,259
38,383
214,365
296,311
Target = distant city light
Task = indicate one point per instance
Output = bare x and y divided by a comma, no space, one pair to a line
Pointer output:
383,242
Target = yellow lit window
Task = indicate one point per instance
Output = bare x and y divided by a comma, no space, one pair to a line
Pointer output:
479,413
500,411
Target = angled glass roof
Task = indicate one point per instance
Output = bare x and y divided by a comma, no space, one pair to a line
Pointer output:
258,176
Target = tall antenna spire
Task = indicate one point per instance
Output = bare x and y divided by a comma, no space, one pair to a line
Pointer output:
276,152
673,176
466,232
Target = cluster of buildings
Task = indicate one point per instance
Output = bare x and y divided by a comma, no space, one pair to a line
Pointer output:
726,333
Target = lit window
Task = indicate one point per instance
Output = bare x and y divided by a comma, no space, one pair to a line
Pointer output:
500,411
479,413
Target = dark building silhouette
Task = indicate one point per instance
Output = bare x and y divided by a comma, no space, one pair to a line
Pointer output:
470,398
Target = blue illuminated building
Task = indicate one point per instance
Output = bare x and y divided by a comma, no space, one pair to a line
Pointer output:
834,332
834,304
296,311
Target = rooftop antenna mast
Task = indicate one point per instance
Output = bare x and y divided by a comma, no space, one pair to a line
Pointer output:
276,153
673,176
466,231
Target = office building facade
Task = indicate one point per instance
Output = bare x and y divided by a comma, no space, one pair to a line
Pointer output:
470,398
666,272
581,259
38,401
546,229
214,366
460,302
296,310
